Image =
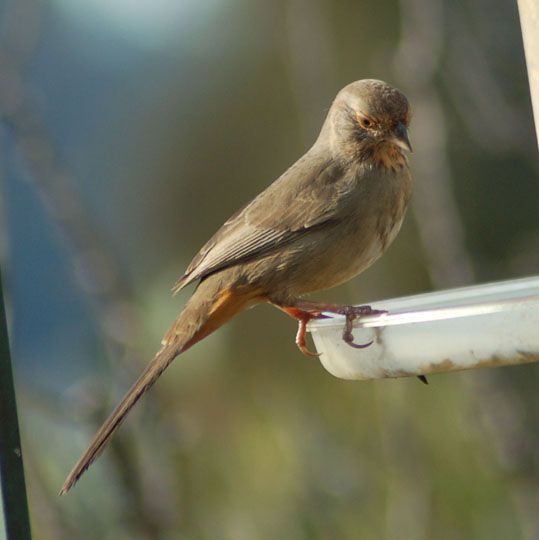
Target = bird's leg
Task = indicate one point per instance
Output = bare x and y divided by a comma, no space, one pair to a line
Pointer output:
304,311
347,335
300,337
351,313
303,317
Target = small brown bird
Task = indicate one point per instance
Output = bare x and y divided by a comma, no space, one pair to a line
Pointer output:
325,220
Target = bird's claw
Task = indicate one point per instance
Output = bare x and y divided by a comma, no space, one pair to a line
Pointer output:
306,351
306,311
351,313
300,336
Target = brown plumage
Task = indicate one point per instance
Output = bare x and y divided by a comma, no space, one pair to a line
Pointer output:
325,220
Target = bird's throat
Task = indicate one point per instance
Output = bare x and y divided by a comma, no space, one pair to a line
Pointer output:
386,156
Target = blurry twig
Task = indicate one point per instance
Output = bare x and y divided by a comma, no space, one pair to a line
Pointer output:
95,266
408,501
471,79
309,56
311,67
480,101
417,61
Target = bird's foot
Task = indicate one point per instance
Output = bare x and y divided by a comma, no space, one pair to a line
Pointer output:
304,311
303,317
300,338
351,313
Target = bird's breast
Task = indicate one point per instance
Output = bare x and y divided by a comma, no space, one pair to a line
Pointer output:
368,214
369,221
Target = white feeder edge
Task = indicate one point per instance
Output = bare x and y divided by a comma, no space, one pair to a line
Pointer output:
487,325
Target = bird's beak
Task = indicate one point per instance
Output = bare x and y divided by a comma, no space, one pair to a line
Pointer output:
400,137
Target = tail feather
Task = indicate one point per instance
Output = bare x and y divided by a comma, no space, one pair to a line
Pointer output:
209,308
152,372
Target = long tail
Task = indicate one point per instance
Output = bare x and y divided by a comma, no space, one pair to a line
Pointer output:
210,307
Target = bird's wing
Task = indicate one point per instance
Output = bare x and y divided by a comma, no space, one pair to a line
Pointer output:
303,198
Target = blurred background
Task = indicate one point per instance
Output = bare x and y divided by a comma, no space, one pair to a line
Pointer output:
130,131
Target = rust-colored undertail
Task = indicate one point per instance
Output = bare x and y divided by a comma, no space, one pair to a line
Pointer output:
211,305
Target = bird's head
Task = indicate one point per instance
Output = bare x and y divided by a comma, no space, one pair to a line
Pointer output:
370,119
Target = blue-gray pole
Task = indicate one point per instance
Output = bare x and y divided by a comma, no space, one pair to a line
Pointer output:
16,517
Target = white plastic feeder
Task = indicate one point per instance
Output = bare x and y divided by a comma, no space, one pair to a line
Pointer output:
487,325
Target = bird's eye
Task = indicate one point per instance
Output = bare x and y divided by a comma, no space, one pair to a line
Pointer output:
365,122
